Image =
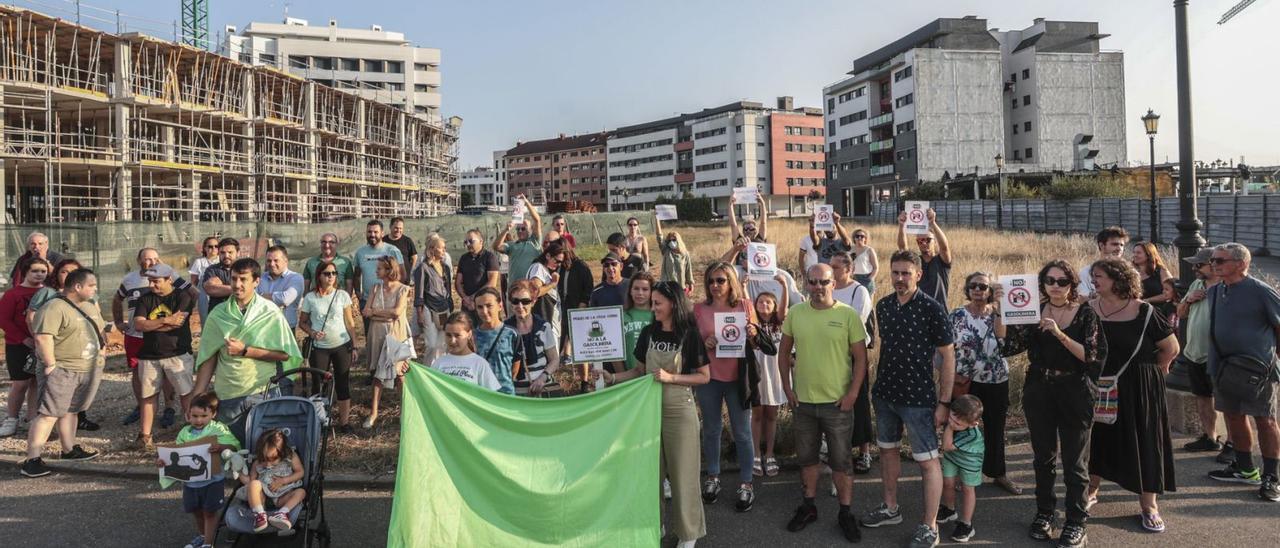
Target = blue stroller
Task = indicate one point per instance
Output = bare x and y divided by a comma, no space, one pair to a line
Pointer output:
304,421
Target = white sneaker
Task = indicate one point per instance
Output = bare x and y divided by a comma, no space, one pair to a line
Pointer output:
834,492
9,427
686,544
666,489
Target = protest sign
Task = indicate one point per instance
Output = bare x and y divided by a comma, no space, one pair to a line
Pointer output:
731,334
824,218
665,212
746,194
917,218
191,461
1021,302
596,334
762,261
517,213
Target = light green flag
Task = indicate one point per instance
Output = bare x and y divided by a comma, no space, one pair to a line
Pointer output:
478,468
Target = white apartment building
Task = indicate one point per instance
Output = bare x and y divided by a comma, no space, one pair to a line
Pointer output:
483,187
376,64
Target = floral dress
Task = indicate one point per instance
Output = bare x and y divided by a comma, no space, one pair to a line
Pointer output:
979,354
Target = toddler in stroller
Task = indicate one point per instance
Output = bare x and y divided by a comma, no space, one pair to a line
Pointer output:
276,476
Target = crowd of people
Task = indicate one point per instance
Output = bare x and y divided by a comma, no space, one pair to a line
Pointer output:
1094,393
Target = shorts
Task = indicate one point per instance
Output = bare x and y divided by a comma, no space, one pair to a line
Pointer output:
131,347
810,421
891,417
242,494
65,392
1198,377
1263,406
208,498
15,360
180,370
972,478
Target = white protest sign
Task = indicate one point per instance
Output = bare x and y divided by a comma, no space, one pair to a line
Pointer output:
746,194
596,334
824,218
1021,302
917,218
731,334
188,462
517,213
665,212
762,261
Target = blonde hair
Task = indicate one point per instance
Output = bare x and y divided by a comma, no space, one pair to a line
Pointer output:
680,248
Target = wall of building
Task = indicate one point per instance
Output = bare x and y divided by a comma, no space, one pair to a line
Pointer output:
1080,93
580,175
959,116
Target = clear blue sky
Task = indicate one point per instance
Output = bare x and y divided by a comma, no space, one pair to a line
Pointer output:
524,70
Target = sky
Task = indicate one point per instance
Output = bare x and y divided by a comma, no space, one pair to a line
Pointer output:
532,69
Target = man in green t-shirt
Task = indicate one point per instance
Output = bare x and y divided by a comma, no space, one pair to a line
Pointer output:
825,334
329,252
525,247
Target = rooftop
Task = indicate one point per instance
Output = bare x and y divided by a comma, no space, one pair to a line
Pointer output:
562,142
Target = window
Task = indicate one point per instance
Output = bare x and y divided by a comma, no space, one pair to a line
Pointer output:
709,150
395,67
737,129
737,146
902,74
351,64
860,140
1015,104
739,163
905,127
1026,126
709,133
1026,100
1026,73
1013,77
790,164
904,101
831,104
831,127
851,118
299,61
323,63
759,144
1015,129
421,88
1017,154
1028,154
708,167
787,147
761,162
375,65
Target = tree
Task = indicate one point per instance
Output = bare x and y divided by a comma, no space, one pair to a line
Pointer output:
466,199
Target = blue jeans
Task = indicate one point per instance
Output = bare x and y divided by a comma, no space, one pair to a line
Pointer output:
892,417
234,411
867,282
710,396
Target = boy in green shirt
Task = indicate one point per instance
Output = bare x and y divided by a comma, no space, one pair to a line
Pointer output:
962,453
204,499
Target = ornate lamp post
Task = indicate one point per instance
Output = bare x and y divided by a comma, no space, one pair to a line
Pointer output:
1152,121
1189,240
999,191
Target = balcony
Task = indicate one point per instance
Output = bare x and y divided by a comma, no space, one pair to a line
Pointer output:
684,177
877,171
883,144
683,146
886,118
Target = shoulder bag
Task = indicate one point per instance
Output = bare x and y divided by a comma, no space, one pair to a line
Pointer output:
309,342
1106,408
1239,376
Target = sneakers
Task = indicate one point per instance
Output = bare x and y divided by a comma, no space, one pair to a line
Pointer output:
1203,444
962,533
79,453
1270,489
9,427
746,498
882,515
862,464
1233,474
259,522
132,417
1227,455
34,468
945,514
278,519
197,542
1073,536
924,537
849,526
710,490
666,489
167,420
86,424
805,515
1041,527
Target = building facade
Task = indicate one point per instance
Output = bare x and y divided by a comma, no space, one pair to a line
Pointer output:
372,63
481,187
563,169
940,102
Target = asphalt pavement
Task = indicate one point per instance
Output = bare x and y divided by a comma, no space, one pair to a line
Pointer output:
78,510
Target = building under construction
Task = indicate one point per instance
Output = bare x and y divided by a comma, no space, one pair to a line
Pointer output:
102,127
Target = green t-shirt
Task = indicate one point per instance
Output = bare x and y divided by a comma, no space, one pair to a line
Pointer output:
345,270
521,254
1197,349
822,370
75,344
969,450
633,321
214,428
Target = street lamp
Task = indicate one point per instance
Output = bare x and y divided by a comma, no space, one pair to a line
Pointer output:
999,191
1152,122
897,196
1189,240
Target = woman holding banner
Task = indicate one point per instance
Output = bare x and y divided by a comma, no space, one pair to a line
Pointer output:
538,350
672,351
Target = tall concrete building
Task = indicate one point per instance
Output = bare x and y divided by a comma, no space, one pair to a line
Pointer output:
944,100
375,64
482,187
566,168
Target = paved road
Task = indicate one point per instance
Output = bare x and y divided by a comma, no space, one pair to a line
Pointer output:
73,510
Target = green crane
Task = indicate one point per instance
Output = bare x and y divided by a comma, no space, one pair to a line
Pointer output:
195,23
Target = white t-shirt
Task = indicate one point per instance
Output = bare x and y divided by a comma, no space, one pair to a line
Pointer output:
810,256
1086,281
857,296
470,367
756,287
198,266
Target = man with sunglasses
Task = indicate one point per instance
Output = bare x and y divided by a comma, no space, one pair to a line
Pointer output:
1195,354
822,386
329,252
631,262
935,257
1111,243
525,247
612,289
1244,319
560,231
477,269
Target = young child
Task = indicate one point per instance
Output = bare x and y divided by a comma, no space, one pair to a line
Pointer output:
764,417
203,499
962,452
461,361
276,474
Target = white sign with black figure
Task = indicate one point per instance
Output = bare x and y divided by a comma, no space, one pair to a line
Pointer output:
917,218
595,334
762,261
824,218
1021,302
731,334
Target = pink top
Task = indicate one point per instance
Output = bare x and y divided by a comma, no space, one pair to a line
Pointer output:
722,369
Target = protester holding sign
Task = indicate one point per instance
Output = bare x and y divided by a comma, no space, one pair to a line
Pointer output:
829,242
750,231
527,244
677,263
772,311
203,499
935,257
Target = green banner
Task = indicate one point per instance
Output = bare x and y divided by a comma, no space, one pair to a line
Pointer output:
478,468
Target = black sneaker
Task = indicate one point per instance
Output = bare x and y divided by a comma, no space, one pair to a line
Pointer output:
882,515
746,498
924,537
945,514
1073,536
805,515
85,424
849,526
79,453
710,490
1270,489
1042,527
34,468
1233,474
962,533
1227,455
1203,444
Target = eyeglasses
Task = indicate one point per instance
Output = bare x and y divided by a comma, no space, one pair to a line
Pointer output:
521,229
718,281
822,283
923,240
522,302
859,236
748,229
1060,282
979,286
328,242
1220,260
329,273
470,241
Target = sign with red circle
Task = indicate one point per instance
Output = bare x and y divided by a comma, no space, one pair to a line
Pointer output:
730,333
1019,297
916,216
762,260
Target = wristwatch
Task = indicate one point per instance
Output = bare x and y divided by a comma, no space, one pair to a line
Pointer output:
946,404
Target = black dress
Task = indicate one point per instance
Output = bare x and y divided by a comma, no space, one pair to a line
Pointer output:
1137,451
1153,286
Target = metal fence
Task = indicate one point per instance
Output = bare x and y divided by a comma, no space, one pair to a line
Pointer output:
1251,220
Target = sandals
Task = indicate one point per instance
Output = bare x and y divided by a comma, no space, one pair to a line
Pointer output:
756,468
1152,522
770,466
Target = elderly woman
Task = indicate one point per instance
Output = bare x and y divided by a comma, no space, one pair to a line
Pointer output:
982,369
537,352
388,314
1131,446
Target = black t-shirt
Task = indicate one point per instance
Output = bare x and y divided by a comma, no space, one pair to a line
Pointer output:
165,344
656,348
634,263
474,269
216,271
935,278
406,247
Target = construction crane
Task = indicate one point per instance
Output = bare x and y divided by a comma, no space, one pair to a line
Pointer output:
195,23
1234,11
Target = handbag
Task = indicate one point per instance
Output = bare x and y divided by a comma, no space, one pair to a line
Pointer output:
1106,409
309,342
1239,376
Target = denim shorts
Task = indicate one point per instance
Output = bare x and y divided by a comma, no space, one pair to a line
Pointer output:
208,498
891,417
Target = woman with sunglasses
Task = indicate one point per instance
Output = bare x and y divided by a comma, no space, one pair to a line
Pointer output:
18,341
327,316
982,369
671,350
637,244
538,352
865,261
1066,351
209,256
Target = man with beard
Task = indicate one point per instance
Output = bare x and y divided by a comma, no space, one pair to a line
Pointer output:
368,255
216,280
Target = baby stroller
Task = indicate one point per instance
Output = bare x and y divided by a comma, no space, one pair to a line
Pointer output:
303,420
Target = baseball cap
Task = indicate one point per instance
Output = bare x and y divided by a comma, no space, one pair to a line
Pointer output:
611,257
159,271
1201,256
